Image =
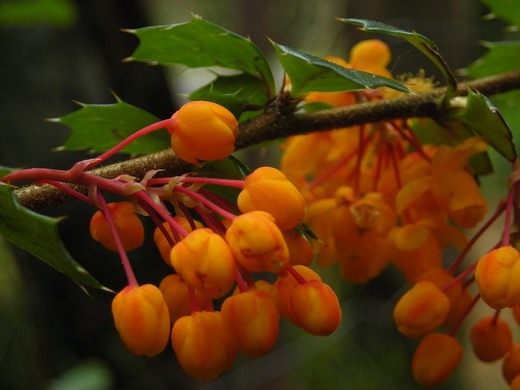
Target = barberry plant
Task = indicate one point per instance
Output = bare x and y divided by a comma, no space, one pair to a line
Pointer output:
377,172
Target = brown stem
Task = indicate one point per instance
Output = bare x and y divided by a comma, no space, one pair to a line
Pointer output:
275,123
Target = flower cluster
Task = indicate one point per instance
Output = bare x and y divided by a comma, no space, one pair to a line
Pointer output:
236,267
377,196
211,250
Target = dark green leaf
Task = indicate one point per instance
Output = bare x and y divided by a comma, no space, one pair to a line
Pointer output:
200,43
237,93
38,235
424,44
310,73
505,9
509,106
501,57
482,118
31,12
98,127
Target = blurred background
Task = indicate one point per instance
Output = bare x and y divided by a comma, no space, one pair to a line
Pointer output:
55,52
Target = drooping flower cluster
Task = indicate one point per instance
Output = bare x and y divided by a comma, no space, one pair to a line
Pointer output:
236,268
209,256
377,197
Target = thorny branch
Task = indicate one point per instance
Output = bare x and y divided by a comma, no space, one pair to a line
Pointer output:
274,123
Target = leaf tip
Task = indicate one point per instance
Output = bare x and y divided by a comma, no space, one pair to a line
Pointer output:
129,30
81,104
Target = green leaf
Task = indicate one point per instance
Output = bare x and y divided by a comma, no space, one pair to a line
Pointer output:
38,235
482,118
310,73
505,9
500,57
199,43
424,44
31,12
237,93
98,127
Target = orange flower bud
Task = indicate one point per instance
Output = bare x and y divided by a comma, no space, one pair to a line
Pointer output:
268,189
300,250
252,320
176,296
141,319
491,339
435,359
203,345
511,363
498,276
162,243
203,130
442,278
281,290
204,261
315,308
370,53
128,225
257,243
421,309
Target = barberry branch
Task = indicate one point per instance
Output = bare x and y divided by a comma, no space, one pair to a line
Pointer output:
276,123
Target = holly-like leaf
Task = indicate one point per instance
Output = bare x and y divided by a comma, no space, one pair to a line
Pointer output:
310,73
38,235
505,9
482,118
500,57
424,44
237,93
98,127
199,43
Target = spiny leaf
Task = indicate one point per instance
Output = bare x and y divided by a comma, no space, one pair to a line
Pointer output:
98,127
500,57
482,118
200,43
422,43
505,9
310,73
237,93
38,235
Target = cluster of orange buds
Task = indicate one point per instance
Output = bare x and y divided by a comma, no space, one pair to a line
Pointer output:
212,244
377,196
211,249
